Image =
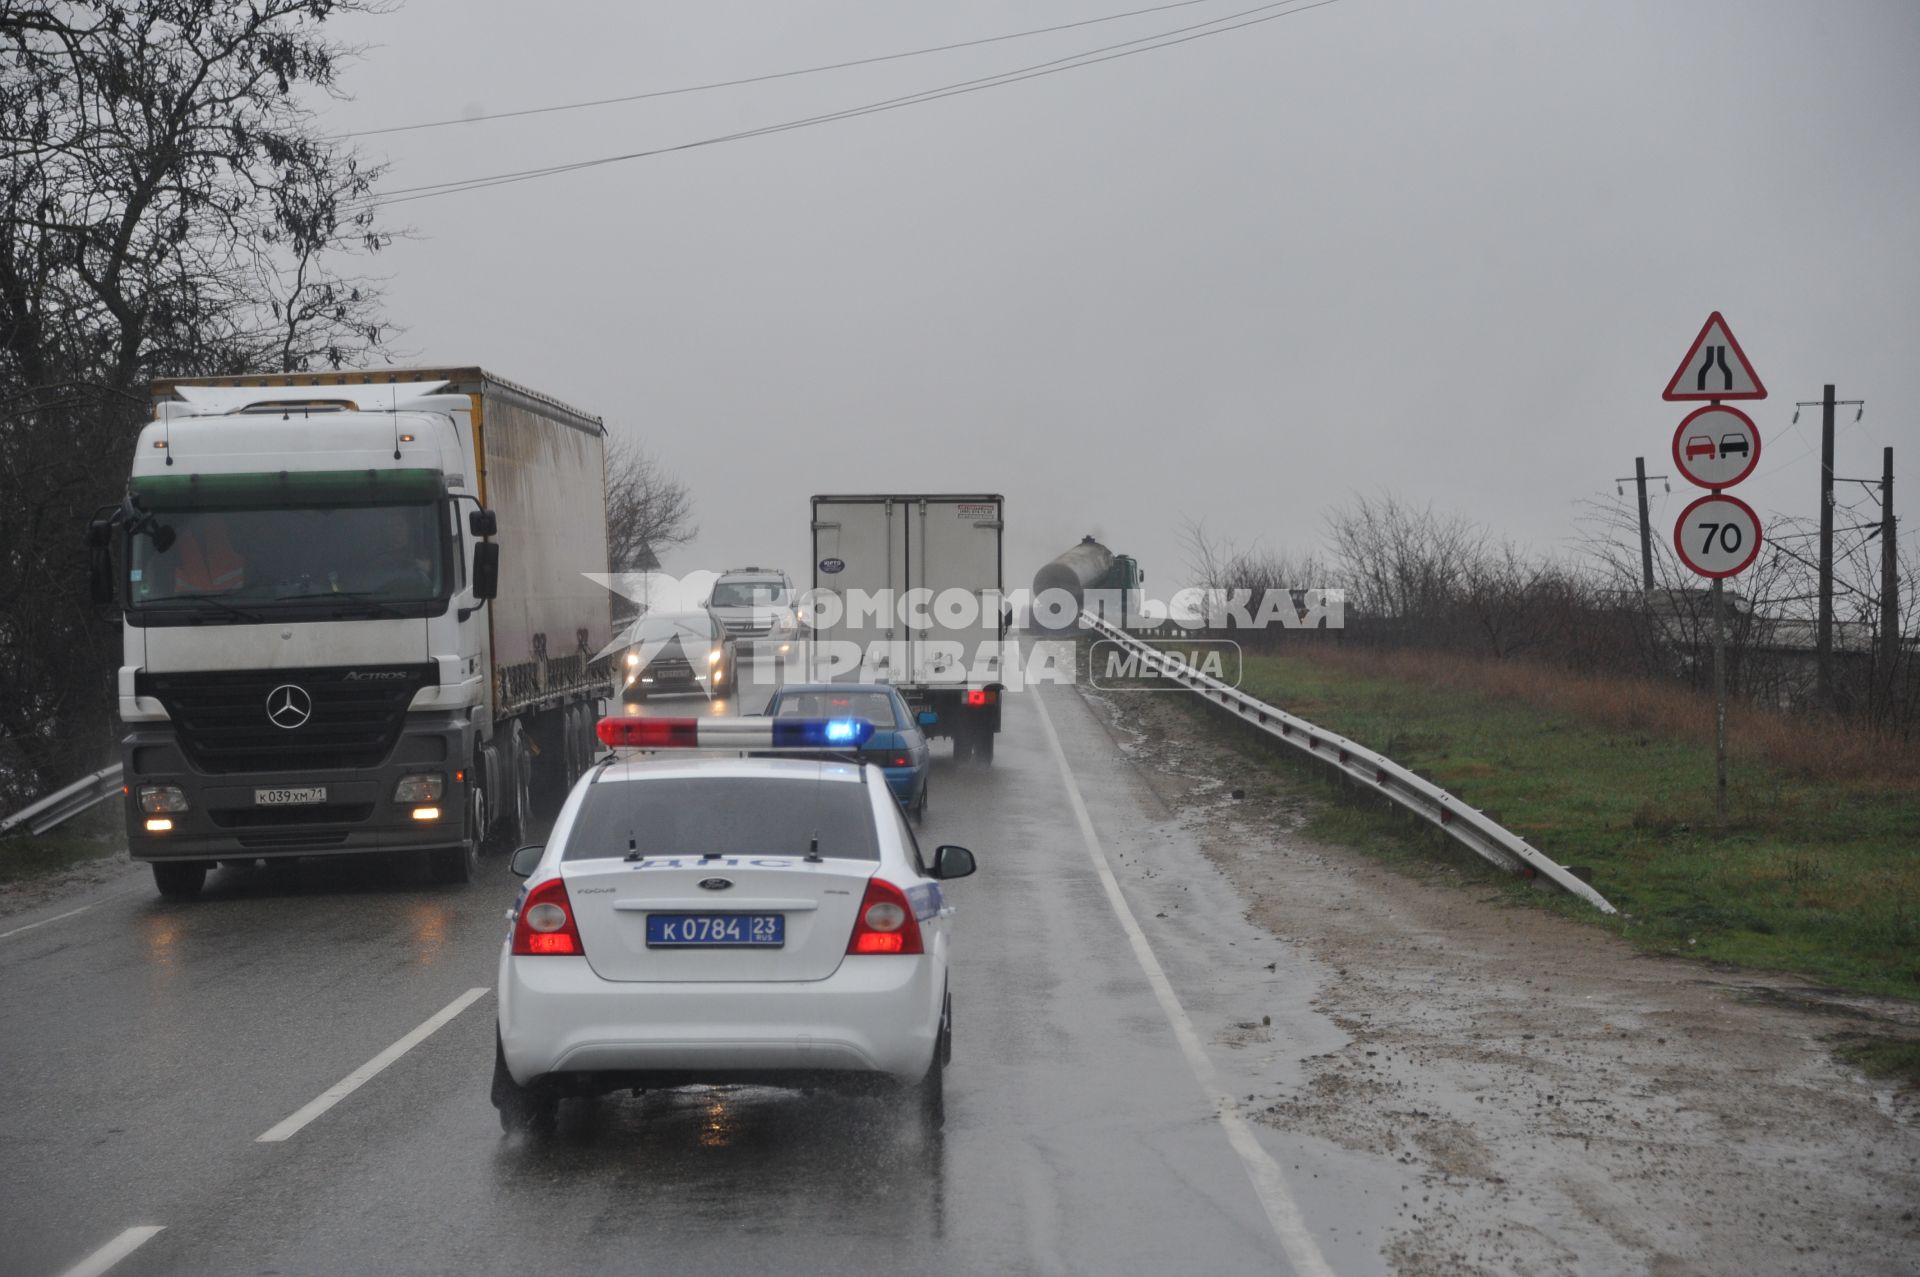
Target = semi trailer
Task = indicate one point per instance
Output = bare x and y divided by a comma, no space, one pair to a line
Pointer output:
356,615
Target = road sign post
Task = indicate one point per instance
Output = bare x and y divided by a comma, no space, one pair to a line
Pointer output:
1717,536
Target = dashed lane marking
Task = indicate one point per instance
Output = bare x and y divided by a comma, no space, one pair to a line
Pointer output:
366,1072
116,1250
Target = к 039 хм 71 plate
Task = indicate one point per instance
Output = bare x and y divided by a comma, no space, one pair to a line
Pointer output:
290,797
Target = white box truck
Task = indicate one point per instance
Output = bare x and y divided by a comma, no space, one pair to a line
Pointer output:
913,581
356,615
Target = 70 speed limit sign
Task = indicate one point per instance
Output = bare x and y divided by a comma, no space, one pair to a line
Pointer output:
1718,536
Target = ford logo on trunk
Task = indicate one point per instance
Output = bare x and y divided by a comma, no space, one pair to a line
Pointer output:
715,884
831,566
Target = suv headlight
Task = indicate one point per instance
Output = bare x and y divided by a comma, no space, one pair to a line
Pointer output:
424,788
162,798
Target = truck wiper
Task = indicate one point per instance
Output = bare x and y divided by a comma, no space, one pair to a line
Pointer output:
359,598
195,600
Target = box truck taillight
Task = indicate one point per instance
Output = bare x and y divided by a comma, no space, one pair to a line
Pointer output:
885,923
545,923
980,696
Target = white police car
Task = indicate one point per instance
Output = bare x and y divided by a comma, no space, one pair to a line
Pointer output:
731,919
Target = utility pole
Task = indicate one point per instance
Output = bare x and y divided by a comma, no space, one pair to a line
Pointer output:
1823,629
1823,633
1889,567
1646,524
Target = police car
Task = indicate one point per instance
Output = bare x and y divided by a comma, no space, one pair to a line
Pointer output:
741,918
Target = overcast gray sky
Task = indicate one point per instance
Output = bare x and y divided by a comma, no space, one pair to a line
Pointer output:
1448,249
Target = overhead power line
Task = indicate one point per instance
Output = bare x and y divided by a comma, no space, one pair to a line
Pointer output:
772,75
1071,62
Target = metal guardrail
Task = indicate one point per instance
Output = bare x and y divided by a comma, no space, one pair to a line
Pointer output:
63,805
1467,825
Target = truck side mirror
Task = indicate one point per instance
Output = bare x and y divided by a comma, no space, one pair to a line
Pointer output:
483,523
100,585
486,570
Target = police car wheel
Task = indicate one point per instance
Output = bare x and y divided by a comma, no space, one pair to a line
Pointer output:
929,1094
522,1108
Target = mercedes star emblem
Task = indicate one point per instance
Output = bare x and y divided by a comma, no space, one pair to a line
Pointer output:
289,706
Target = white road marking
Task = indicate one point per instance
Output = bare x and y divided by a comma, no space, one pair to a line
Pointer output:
1268,1184
366,1072
43,922
116,1250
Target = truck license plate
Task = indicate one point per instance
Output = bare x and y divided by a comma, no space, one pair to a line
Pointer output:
289,797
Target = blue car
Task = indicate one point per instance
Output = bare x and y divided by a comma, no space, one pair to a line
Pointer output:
898,746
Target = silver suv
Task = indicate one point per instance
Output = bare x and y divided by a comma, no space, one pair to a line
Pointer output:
754,603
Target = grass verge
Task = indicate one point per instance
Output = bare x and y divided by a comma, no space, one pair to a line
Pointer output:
89,836
1890,1059
1816,872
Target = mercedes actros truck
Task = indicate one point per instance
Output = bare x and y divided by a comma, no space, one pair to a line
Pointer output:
357,616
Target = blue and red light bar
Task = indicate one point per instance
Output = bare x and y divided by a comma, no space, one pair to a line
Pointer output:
734,733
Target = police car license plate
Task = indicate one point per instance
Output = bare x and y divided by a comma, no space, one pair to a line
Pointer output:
289,797
716,930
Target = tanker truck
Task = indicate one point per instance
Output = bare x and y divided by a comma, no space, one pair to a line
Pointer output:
1090,575
355,616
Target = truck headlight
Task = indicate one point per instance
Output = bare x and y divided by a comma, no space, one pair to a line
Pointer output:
713,657
155,799
424,788
633,658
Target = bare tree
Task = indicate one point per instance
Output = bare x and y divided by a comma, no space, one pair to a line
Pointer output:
167,206
648,510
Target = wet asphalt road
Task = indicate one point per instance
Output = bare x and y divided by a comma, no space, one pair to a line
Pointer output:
149,1045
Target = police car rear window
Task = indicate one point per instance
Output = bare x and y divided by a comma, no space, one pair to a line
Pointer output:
739,816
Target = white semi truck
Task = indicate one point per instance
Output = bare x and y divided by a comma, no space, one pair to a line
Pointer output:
356,615
914,582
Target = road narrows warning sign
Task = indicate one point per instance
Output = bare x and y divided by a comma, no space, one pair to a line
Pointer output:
1715,367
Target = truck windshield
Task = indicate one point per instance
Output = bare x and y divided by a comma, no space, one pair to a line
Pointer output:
236,559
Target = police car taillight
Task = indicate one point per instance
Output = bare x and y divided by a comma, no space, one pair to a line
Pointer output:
544,926
885,923
734,733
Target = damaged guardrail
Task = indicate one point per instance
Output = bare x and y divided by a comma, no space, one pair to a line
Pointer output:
1467,825
63,805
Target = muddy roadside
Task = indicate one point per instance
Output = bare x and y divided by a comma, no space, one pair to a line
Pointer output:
1568,1104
